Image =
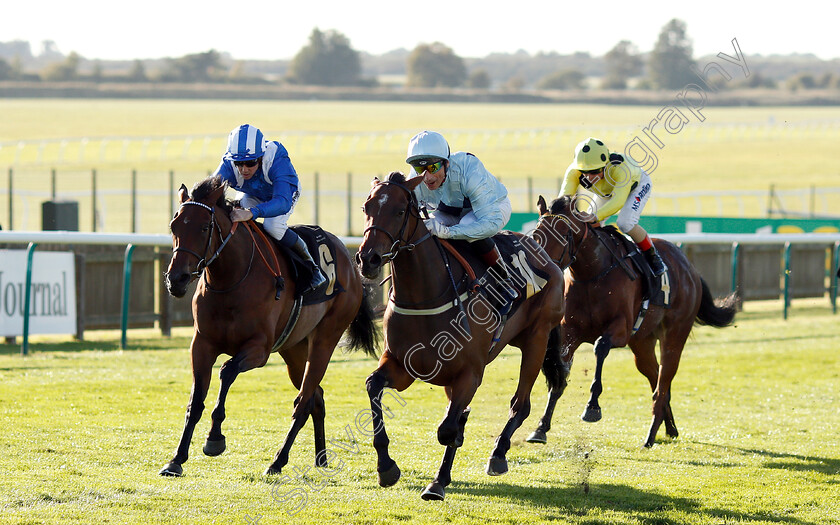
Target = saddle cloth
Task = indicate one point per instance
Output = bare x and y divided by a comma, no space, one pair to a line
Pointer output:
657,291
525,276
323,252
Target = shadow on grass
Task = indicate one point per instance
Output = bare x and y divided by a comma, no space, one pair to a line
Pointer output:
783,460
582,500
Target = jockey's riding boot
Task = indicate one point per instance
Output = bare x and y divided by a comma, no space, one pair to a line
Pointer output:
655,261
494,260
317,277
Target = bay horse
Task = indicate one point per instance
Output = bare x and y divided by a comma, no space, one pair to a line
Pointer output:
241,309
602,307
438,334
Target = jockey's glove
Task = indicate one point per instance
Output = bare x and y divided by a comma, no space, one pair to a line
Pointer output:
438,229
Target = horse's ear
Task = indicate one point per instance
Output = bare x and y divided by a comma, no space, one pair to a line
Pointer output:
183,194
413,183
374,182
541,205
217,194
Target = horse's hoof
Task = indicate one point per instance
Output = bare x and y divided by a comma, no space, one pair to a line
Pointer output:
537,436
390,476
214,448
271,471
433,492
497,466
172,469
591,415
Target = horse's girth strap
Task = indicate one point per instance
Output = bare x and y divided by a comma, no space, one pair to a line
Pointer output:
252,227
460,258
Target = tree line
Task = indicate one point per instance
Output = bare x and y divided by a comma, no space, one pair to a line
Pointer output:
328,59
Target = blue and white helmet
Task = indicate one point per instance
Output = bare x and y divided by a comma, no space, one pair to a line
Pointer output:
427,147
245,142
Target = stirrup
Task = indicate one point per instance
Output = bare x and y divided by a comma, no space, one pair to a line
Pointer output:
317,280
512,296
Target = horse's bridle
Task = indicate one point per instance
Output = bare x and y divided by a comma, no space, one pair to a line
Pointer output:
398,244
568,239
203,262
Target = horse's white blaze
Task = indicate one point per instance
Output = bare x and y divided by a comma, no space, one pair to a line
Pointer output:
382,200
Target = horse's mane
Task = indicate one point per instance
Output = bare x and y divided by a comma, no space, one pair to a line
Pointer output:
561,205
396,176
207,186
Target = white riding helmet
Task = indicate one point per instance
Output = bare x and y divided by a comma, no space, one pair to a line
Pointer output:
427,147
245,142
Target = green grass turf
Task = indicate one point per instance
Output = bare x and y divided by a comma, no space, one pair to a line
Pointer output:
86,427
733,148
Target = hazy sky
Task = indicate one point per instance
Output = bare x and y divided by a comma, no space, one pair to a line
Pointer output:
278,29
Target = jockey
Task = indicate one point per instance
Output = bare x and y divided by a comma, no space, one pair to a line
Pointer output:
618,186
267,186
470,203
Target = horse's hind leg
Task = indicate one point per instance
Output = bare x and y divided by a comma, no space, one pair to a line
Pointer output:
295,358
533,355
318,416
202,365
670,358
644,353
556,368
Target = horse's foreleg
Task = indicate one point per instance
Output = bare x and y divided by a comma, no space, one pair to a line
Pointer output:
242,362
202,368
436,489
593,409
389,374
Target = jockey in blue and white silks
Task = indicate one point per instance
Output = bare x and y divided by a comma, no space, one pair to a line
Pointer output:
469,202
267,186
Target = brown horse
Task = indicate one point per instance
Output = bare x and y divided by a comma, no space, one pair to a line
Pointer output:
433,332
240,309
602,307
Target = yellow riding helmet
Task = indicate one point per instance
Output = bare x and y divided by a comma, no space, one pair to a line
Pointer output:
591,154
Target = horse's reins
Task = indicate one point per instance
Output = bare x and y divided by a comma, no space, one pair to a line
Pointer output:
398,244
203,262
569,239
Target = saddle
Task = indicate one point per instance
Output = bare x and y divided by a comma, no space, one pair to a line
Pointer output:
323,252
655,291
524,276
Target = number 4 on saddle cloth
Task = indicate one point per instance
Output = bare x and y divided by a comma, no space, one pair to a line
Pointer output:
656,292
520,261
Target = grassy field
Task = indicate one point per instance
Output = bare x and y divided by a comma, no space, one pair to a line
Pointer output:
733,148
86,427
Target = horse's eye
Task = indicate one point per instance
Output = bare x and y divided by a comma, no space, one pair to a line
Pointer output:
205,228
400,213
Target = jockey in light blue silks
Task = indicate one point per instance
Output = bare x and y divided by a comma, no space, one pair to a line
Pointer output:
470,203
268,187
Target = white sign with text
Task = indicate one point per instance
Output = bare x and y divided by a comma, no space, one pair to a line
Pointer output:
52,299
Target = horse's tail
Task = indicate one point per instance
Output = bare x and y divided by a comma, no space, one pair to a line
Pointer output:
718,313
362,332
554,370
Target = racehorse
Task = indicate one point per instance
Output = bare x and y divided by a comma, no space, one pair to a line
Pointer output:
245,308
602,306
438,334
